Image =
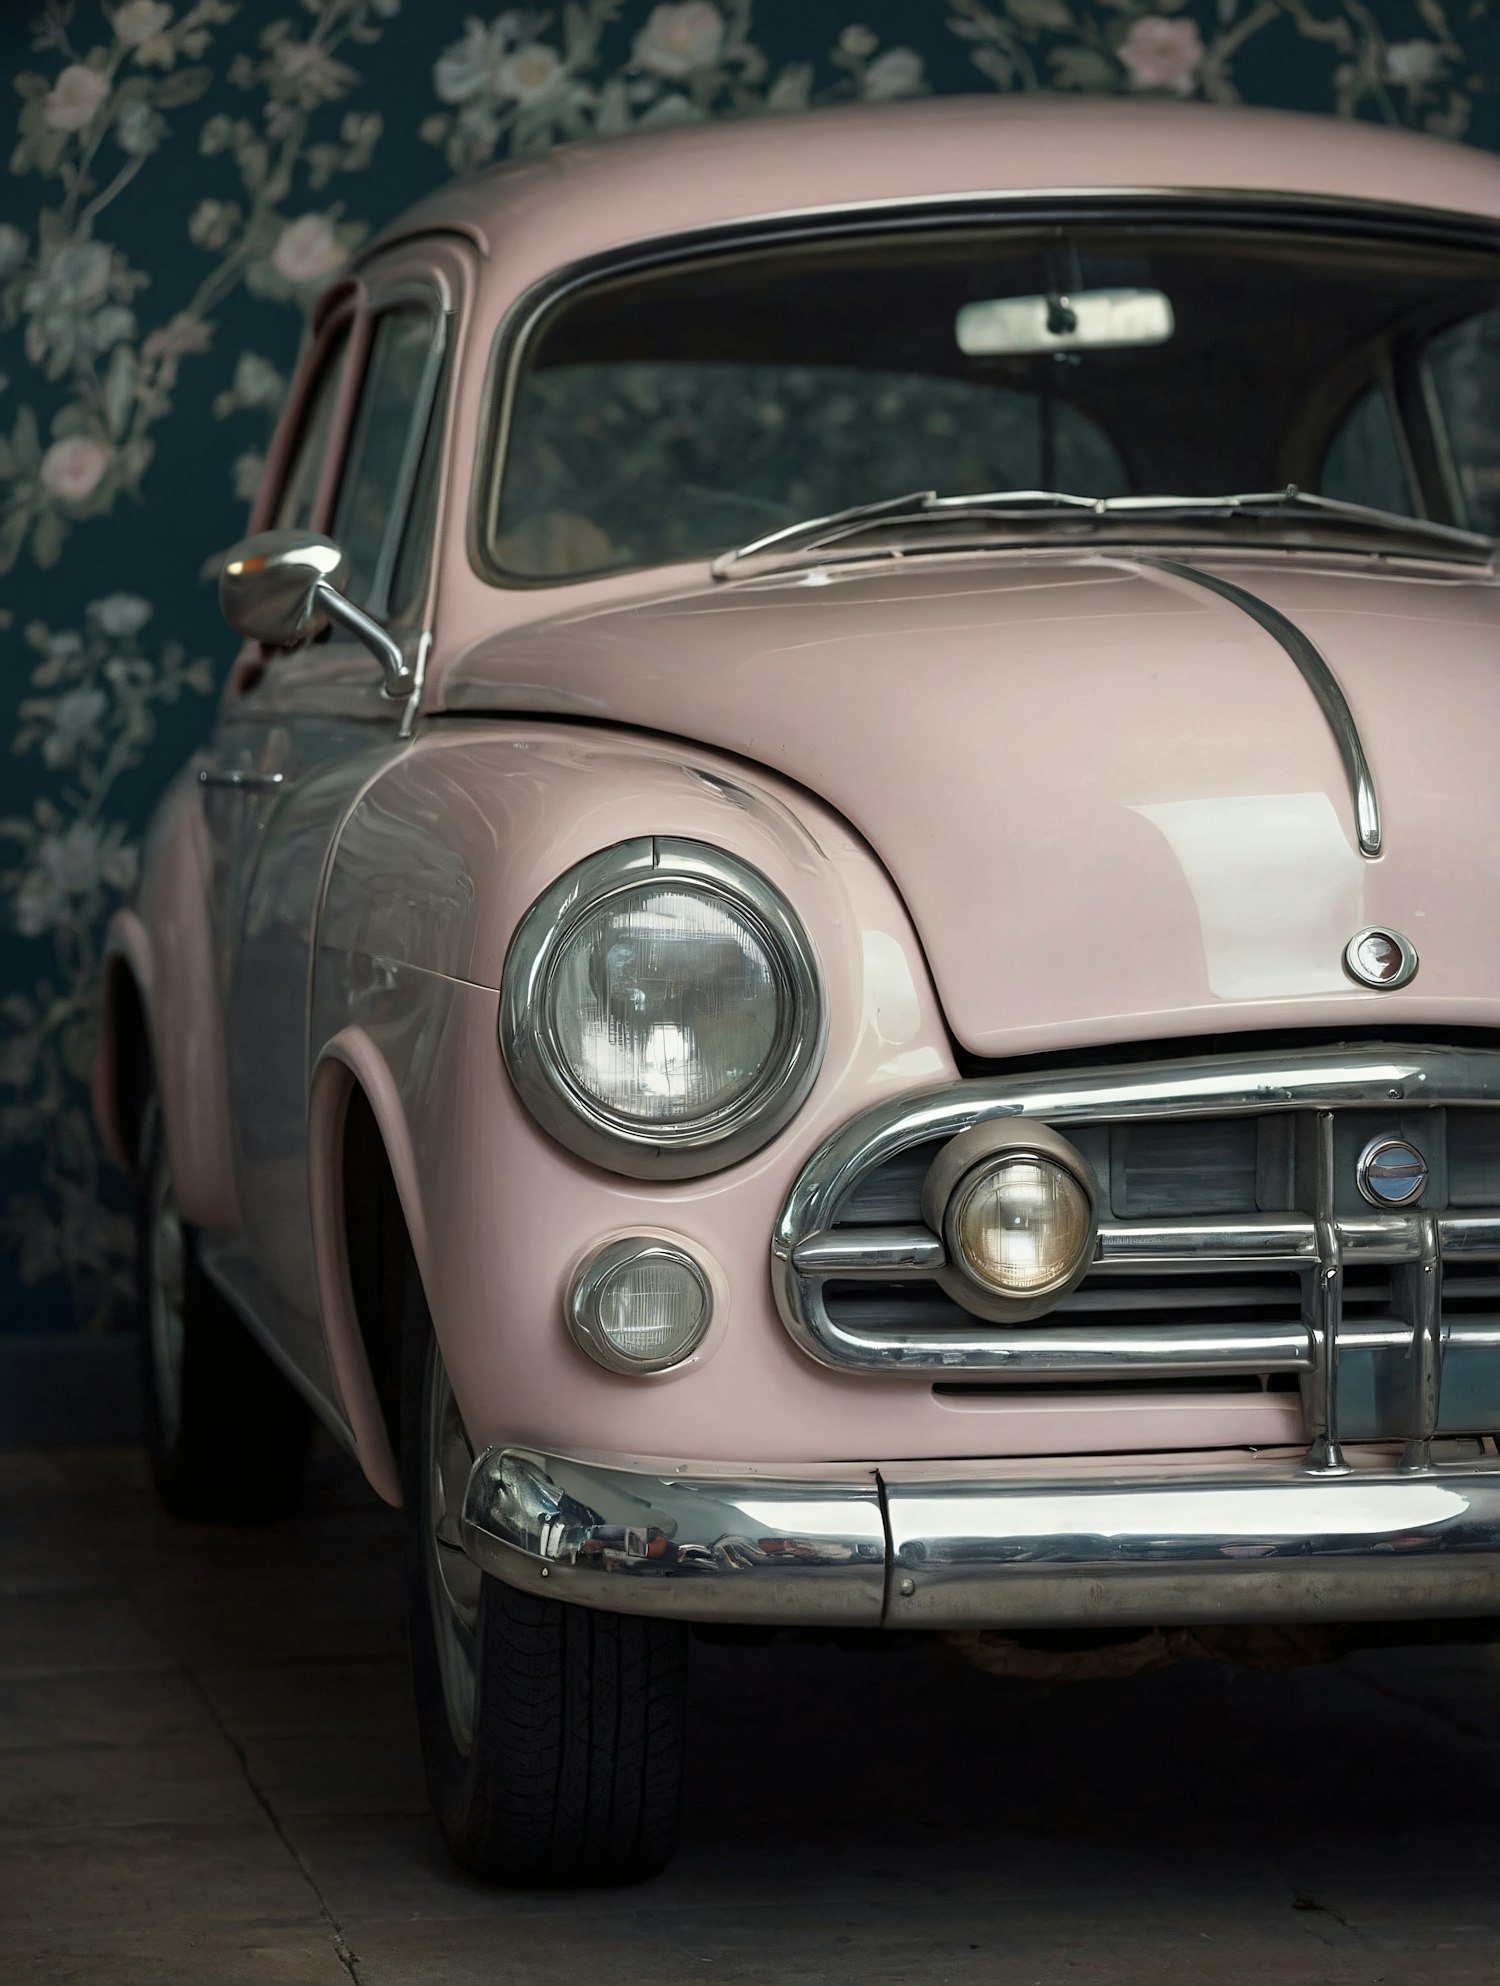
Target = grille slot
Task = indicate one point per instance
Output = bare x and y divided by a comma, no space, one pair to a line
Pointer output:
1473,1158
1197,1166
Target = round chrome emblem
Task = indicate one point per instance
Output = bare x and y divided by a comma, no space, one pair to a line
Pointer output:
1382,959
1391,1173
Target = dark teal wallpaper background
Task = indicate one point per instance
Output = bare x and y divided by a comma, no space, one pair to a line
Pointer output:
182,179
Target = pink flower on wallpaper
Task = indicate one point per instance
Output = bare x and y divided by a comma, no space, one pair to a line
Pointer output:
140,21
1159,54
307,249
677,40
74,98
71,468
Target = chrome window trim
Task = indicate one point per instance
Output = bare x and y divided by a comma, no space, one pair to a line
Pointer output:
410,293
535,1062
524,315
596,1271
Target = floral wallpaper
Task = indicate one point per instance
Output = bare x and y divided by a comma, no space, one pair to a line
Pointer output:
184,175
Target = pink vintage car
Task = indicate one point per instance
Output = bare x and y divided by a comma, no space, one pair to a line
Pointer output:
836,961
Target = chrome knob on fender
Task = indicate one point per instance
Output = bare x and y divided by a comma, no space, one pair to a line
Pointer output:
1016,1207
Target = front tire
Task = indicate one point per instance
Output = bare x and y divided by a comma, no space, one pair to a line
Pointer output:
226,1434
553,1735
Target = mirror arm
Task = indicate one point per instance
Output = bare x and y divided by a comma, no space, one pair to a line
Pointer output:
353,620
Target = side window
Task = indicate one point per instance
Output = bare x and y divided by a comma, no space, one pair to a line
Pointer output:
389,428
299,492
1363,460
416,535
1461,365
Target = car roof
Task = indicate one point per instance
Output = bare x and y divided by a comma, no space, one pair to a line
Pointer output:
585,199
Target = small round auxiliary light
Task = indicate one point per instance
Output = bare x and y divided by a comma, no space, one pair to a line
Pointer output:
1015,1206
1020,1225
640,1305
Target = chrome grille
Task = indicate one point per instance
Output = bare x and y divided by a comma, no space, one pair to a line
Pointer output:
1233,1243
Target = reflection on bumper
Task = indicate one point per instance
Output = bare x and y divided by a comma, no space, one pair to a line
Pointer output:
915,1548
744,1546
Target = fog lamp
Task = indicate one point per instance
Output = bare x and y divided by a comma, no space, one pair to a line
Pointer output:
1021,1225
1015,1205
640,1305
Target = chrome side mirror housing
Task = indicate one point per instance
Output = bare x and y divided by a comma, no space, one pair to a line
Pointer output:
283,587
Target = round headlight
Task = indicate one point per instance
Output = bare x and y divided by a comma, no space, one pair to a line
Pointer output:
661,1012
1021,1225
667,1005
640,1305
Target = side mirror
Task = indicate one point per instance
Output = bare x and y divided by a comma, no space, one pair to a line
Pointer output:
282,587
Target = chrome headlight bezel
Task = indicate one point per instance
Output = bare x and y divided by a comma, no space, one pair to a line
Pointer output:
539,1070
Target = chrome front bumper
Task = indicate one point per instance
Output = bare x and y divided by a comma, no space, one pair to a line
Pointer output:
922,1546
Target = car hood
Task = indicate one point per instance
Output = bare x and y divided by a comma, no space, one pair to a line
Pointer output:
1108,795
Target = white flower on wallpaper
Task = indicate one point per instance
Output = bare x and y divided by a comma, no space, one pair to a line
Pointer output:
681,40
1162,54
522,82
275,117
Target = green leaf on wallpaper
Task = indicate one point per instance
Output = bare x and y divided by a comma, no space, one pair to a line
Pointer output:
119,389
13,528
47,538
183,86
1040,14
26,443
1076,68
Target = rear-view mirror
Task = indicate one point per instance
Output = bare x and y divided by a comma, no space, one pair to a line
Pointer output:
1088,320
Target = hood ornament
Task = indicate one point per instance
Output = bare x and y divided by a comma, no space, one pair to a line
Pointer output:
1380,959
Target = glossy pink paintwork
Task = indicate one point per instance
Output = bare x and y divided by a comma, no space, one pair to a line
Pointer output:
436,866
1108,798
1023,801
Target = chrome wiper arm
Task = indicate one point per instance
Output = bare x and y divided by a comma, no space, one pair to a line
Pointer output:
812,533
1008,509
811,530
1269,503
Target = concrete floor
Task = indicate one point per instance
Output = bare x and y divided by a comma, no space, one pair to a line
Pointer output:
209,1776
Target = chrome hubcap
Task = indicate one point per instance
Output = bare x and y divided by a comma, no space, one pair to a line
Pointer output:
453,1580
164,1322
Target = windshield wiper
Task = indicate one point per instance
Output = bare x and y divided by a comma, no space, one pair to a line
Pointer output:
898,524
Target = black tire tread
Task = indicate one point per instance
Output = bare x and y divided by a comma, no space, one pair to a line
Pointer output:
575,1774
240,1452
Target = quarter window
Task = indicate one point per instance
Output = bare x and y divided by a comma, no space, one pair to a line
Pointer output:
299,493
416,534
389,428
1363,463
1461,364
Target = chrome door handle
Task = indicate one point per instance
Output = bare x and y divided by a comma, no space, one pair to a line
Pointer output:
258,782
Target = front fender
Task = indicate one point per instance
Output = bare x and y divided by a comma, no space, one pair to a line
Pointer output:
435,868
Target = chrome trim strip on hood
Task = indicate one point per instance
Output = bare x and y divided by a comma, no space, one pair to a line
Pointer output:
1319,678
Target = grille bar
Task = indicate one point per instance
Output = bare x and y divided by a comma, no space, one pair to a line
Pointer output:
1274,1241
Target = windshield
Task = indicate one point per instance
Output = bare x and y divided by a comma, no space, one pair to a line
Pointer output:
675,414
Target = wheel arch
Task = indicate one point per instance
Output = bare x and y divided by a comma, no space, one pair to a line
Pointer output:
121,1075
366,1208
161,1021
